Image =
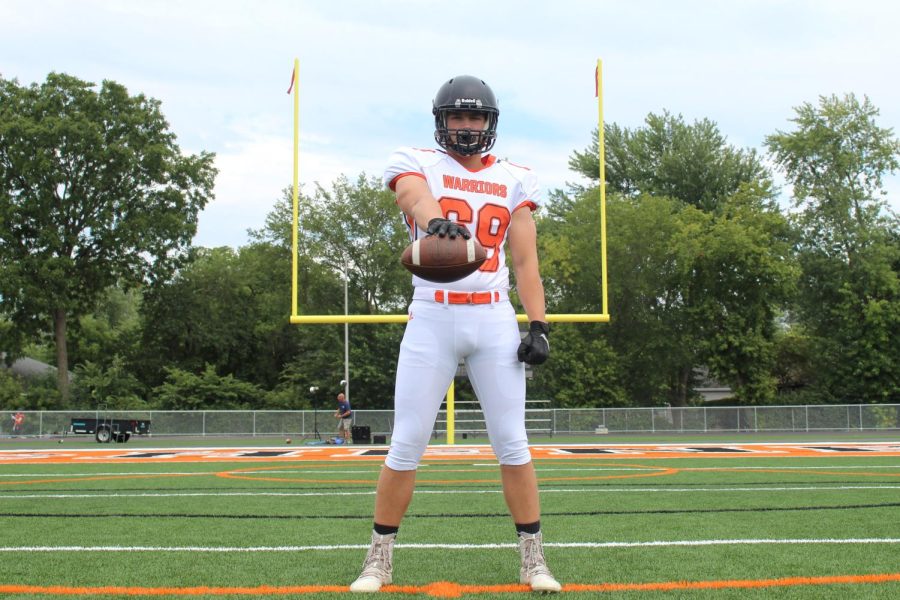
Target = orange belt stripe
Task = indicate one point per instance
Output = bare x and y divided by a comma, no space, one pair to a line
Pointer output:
466,297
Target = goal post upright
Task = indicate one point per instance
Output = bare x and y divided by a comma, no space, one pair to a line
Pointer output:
601,142
295,86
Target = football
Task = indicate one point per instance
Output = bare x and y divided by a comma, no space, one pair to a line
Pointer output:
442,259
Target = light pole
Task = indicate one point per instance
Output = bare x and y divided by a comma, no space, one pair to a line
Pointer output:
312,396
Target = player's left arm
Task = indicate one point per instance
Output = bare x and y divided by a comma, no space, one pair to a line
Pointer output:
523,251
535,346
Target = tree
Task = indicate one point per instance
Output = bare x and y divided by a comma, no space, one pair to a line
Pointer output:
357,221
668,157
687,288
836,160
584,371
849,300
698,257
739,275
111,331
569,248
358,227
94,191
206,315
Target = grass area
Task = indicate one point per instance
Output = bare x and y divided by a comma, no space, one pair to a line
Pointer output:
640,521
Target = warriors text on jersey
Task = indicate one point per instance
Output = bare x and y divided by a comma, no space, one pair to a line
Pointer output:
482,200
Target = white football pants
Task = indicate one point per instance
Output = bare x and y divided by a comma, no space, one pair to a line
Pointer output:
436,337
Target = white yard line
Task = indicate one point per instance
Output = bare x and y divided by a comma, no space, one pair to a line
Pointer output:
589,545
795,468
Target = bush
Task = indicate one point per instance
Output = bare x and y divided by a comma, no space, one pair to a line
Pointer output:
183,390
11,391
111,387
34,393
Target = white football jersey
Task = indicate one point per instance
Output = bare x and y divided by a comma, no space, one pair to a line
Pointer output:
482,200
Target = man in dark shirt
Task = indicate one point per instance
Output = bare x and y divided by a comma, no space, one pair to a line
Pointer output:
344,416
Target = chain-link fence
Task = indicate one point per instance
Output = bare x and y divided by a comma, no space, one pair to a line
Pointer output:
702,419
540,419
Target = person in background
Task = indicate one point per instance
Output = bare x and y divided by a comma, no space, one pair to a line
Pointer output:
18,420
344,416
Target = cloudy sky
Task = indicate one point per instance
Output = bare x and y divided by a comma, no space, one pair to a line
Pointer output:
369,68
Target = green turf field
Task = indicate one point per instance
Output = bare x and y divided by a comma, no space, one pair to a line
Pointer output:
606,521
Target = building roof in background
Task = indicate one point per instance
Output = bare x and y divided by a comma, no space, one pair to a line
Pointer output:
28,367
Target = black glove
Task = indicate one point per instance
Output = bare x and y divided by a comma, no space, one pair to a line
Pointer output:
444,227
535,347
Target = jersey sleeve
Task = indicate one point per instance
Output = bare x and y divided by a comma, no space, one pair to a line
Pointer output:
402,163
529,193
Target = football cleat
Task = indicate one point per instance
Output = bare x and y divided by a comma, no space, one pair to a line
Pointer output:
378,566
534,571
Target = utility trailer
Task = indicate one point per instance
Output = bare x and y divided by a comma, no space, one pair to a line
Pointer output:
110,430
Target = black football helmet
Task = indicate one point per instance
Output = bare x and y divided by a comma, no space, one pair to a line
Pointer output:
465,92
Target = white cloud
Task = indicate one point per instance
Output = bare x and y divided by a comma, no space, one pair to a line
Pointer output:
370,67
254,172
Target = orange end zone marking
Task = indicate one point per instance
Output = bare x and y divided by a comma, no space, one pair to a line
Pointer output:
444,453
445,589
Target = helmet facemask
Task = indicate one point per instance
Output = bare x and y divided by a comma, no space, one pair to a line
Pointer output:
465,142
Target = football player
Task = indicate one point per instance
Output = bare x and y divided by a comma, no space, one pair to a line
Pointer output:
462,190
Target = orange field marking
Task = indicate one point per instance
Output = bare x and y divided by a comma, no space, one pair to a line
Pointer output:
442,453
445,589
314,457
777,470
102,478
652,471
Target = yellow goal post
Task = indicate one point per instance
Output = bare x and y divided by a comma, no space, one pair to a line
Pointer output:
298,319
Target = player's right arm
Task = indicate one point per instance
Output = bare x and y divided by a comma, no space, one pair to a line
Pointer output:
405,175
415,200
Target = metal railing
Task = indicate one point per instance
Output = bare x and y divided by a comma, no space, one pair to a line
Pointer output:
469,418
694,419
